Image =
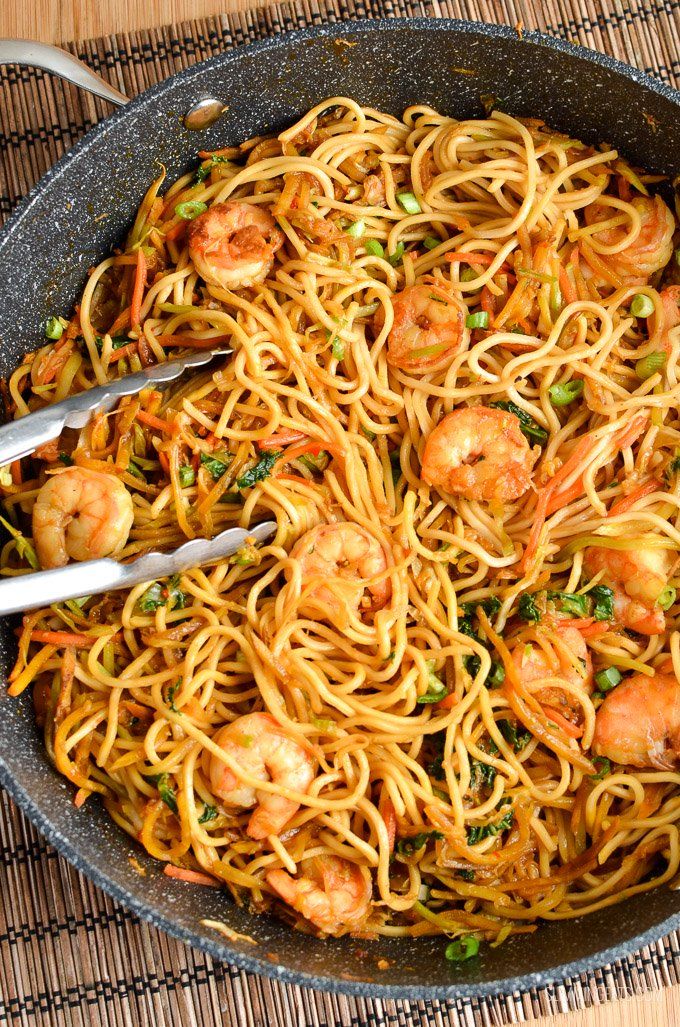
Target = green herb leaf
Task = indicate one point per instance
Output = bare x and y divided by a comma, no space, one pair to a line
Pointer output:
491,605
496,675
66,459
436,689
574,605
209,813
517,739
204,170
161,595
466,875
409,846
603,599
530,428
462,948
165,790
216,466
430,242
261,470
482,774
187,476
479,832
172,692
395,258
527,609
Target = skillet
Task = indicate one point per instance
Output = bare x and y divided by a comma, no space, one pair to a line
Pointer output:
58,232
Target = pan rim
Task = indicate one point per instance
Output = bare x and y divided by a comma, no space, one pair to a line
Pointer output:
222,950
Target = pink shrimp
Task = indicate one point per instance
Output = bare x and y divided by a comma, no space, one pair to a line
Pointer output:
332,893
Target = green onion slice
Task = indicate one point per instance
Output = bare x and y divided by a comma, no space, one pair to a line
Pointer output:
608,679
375,248
409,203
651,364
54,329
462,948
480,319
562,394
191,209
356,229
641,305
666,597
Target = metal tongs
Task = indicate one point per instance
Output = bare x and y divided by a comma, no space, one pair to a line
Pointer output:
92,577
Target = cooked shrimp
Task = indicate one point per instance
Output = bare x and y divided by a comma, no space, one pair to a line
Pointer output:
232,245
479,453
343,567
429,325
332,893
561,653
81,515
638,724
651,249
638,578
669,318
265,751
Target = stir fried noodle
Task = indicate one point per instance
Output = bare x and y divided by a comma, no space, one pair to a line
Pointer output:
444,697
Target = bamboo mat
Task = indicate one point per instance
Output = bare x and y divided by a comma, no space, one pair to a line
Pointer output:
68,953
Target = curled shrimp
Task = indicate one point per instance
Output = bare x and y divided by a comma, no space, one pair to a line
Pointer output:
638,578
638,724
332,893
232,245
648,252
81,515
480,453
428,327
265,751
343,567
668,319
557,652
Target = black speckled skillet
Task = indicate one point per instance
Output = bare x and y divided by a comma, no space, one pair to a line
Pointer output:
56,234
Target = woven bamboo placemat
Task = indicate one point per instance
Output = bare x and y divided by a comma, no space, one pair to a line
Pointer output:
68,953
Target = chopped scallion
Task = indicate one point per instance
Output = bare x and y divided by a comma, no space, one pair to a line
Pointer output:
409,203
375,248
608,679
642,305
480,319
430,242
462,948
190,210
187,476
356,229
666,597
651,364
562,394
54,329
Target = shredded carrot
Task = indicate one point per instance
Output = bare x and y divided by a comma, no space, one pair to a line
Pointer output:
471,258
190,876
313,447
164,462
572,730
387,812
293,477
566,286
282,438
546,493
62,638
124,351
138,289
122,321
447,702
624,504
154,422
631,433
560,499
176,231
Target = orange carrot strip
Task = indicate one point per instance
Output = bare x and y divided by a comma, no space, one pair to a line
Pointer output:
293,477
123,351
121,322
190,876
176,231
15,471
560,499
630,434
626,502
572,730
597,628
154,422
566,286
545,494
282,438
164,462
62,638
471,258
138,289
387,811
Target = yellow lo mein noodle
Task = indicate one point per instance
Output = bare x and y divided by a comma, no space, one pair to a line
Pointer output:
443,699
